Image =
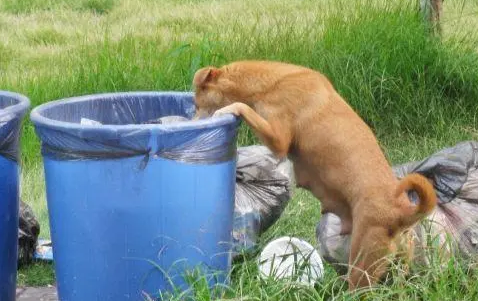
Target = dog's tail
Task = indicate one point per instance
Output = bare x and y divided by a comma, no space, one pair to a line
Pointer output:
426,194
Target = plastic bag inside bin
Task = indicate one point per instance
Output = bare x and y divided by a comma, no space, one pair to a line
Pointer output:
454,174
12,110
264,186
122,125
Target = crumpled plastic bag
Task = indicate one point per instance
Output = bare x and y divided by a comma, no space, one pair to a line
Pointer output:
28,232
454,174
264,186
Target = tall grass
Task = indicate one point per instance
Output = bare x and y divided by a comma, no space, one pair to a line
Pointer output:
30,6
378,56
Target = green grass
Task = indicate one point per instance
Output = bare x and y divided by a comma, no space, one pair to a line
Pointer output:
417,93
98,6
45,37
36,274
453,282
32,6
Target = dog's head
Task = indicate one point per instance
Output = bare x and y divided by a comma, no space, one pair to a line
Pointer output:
209,84
239,81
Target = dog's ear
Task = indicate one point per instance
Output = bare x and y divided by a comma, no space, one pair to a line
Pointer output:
205,75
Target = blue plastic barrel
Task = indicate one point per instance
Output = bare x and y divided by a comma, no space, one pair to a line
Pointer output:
135,206
12,109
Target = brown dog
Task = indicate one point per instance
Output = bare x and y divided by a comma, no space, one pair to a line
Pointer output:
296,112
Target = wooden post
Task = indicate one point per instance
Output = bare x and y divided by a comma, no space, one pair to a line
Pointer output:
432,11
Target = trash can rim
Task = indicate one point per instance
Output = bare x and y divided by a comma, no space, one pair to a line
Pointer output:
39,120
17,109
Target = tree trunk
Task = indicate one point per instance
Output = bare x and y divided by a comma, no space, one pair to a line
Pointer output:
432,11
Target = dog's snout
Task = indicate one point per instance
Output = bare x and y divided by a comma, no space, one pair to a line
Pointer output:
200,113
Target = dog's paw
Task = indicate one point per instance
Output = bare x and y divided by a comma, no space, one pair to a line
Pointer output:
230,109
219,113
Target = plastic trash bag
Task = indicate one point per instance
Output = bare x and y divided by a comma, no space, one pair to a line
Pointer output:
9,132
264,186
160,120
454,174
128,129
28,232
12,109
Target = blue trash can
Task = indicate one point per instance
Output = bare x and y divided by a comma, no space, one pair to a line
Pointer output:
135,206
12,109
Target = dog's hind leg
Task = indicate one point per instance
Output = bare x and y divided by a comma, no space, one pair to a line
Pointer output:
368,260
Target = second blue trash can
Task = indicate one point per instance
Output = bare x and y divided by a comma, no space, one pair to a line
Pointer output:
134,206
13,107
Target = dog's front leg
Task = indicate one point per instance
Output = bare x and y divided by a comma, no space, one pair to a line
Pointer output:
272,133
